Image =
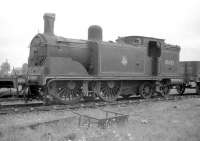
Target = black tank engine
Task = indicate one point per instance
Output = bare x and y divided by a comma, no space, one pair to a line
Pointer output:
67,70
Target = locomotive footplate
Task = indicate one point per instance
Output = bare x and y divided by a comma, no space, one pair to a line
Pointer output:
89,78
104,119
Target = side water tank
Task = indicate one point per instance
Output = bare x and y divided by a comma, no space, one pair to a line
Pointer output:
95,33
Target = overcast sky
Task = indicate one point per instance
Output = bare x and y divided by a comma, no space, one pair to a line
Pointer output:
177,21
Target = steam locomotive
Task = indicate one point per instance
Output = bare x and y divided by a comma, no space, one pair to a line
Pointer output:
68,70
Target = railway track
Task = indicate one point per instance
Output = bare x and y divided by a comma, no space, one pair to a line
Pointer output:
39,106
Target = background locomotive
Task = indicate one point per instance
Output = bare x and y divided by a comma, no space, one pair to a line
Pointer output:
67,70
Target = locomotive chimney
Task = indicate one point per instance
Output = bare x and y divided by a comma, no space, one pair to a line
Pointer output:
49,19
95,33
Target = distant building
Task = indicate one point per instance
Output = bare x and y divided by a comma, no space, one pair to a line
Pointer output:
17,71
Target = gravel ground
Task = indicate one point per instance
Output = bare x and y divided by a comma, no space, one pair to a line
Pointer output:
149,121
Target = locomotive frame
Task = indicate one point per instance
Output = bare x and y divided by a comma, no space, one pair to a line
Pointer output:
67,70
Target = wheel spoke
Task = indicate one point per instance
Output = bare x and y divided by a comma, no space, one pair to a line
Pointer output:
112,92
165,90
180,89
145,90
61,91
109,90
65,91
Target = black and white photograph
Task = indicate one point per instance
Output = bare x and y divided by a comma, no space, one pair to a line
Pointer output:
100,70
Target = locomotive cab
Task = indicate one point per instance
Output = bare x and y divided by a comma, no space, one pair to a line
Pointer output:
154,52
162,58
152,46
